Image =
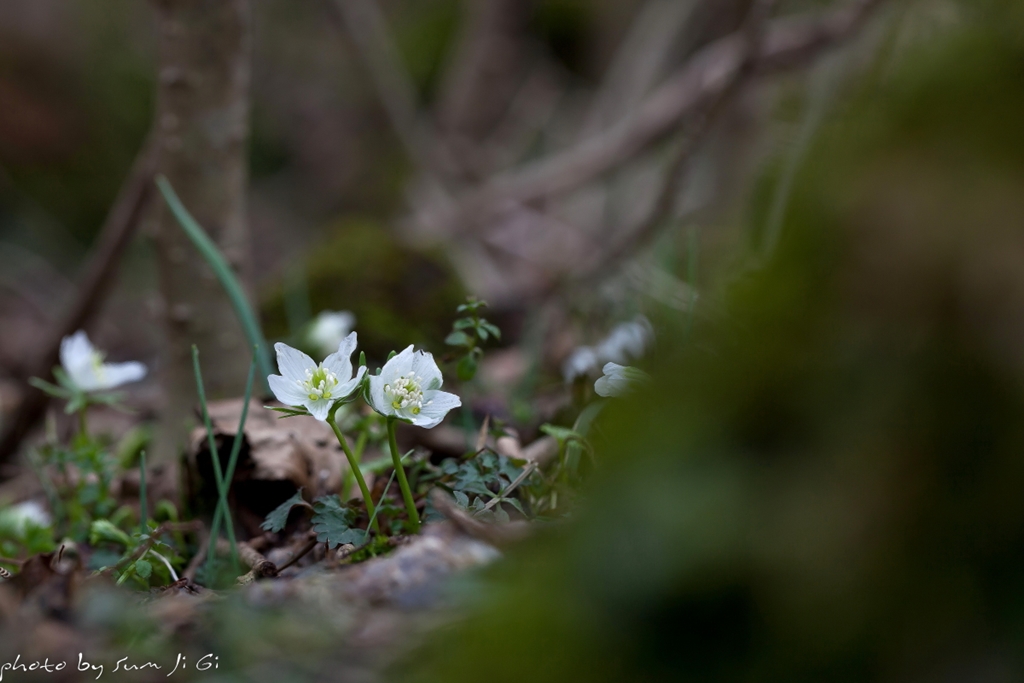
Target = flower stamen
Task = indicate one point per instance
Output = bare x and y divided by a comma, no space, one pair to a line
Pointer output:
319,384
406,393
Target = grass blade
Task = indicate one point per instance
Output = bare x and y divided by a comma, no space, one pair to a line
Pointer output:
143,503
224,274
222,489
236,446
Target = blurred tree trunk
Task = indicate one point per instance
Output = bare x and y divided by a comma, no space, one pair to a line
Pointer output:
203,123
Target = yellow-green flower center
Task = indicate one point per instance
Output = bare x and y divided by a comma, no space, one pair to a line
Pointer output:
406,393
96,359
319,384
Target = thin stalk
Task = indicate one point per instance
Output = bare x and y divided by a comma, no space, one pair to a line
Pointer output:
391,480
217,474
143,502
403,483
236,447
225,275
346,482
692,251
354,467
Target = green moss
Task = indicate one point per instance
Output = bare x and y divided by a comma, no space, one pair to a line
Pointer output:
399,295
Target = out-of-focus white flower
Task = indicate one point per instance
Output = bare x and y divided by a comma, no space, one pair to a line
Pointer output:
580,363
84,365
409,388
627,341
316,388
329,329
19,517
619,380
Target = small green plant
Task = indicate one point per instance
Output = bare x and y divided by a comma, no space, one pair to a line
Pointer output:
78,478
482,484
468,333
145,557
331,519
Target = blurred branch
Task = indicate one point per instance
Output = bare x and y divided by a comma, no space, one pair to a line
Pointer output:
481,79
367,27
116,233
664,207
788,43
640,60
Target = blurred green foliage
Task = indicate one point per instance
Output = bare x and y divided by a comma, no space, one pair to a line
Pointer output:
825,484
399,295
85,119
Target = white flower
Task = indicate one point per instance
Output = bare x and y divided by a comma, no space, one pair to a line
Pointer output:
19,517
619,380
580,363
86,369
408,387
329,329
315,387
627,341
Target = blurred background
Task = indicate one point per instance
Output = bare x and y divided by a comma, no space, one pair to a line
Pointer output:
803,218
558,158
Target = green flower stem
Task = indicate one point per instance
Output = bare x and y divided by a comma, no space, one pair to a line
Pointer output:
353,464
403,483
143,504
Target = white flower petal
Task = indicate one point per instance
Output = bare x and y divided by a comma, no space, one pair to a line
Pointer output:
75,350
319,409
346,389
619,380
115,374
377,399
399,365
435,406
77,356
424,367
340,362
292,362
287,391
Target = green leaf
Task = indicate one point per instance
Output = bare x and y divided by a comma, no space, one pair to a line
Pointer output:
103,531
515,503
333,523
464,324
458,339
278,518
51,389
461,498
466,369
288,412
492,328
562,434
144,569
77,403
472,304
